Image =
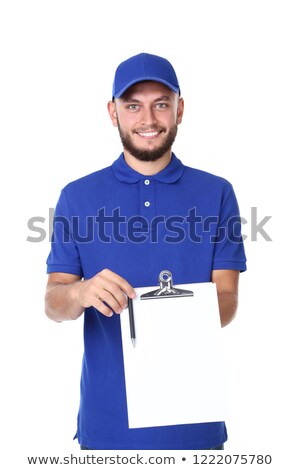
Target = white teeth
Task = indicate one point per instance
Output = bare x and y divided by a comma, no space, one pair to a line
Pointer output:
148,134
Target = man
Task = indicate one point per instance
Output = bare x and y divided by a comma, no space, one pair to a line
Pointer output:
118,229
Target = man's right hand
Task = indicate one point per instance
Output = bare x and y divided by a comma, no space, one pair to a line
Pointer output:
67,295
107,292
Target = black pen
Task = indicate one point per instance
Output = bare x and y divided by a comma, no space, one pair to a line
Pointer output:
131,321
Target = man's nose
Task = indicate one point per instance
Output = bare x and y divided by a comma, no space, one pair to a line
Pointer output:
148,116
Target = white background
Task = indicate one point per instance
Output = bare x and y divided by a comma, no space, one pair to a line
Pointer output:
238,66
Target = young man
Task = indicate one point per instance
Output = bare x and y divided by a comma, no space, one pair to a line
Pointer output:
116,229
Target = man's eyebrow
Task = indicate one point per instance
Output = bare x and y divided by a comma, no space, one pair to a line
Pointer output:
128,99
163,98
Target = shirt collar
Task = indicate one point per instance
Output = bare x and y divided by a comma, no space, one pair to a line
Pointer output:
170,174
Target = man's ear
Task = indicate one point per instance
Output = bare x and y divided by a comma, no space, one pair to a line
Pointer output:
180,110
111,106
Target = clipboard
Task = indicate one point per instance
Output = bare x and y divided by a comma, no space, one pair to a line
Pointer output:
174,375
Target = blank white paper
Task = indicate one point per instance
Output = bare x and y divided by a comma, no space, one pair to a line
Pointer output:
175,373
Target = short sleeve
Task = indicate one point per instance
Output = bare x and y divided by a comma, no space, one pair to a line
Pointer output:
229,250
64,256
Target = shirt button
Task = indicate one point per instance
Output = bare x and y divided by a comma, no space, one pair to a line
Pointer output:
147,182
147,203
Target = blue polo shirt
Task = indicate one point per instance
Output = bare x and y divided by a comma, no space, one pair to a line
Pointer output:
181,219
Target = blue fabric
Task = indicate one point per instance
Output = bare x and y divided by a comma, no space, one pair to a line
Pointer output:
143,67
135,247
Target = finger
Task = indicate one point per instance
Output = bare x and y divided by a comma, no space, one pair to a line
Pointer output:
102,308
115,298
114,289
119,280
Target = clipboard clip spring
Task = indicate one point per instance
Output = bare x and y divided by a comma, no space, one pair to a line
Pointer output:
166,290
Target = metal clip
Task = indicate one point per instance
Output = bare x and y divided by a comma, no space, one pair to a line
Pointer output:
166,289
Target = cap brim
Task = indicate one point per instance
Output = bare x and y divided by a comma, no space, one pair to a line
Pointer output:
145,79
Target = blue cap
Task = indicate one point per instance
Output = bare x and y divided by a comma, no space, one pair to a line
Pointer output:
143,67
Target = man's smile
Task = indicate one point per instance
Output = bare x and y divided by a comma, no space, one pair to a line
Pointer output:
149,134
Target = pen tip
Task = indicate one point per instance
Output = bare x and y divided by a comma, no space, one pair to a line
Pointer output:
133,342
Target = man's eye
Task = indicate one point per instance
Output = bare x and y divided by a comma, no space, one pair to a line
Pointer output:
132,106
161,105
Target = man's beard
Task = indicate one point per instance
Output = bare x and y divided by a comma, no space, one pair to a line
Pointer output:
148,155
